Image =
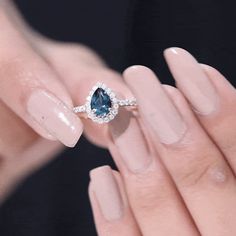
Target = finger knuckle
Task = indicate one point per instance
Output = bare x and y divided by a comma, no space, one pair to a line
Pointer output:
203,172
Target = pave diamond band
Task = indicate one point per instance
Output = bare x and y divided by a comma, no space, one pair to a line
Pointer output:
102,105
121,103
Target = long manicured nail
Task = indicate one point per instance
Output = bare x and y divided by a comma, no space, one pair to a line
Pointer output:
107,193
55,117
155,106
130,141
192,80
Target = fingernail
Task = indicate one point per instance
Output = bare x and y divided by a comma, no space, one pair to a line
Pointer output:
192,80
55,117
130,142
155,106
107,193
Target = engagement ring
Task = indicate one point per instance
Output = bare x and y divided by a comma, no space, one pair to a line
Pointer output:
102,104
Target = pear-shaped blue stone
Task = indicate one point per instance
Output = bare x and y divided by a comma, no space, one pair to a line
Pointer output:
100,102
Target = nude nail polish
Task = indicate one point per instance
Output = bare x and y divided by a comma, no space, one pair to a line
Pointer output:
155,106
107,193
130,142
55,117
192,80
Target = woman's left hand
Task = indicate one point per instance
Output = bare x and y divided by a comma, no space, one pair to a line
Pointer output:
40,80
176,157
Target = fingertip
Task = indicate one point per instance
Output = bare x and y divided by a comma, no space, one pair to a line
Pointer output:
175,51
94,173
170,89
224,87
135,71
175,94
211,71
140,77
76,134
54,116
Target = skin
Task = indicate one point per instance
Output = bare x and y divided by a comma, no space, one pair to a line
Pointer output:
175,155
36,65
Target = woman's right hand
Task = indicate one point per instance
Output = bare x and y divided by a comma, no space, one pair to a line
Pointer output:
39,81
176,158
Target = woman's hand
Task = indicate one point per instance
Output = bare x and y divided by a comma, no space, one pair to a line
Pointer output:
176,157
39,82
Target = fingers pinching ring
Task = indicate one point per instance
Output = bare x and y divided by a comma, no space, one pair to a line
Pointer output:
102,105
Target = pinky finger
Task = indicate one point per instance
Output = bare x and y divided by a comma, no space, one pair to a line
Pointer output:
110,207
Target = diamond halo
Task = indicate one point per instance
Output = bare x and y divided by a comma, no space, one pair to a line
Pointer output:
113,108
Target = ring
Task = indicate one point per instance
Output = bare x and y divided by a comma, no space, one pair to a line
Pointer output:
102,105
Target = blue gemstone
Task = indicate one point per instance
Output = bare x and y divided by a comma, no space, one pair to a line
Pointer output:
100,102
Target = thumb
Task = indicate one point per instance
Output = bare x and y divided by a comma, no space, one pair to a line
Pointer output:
80,69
